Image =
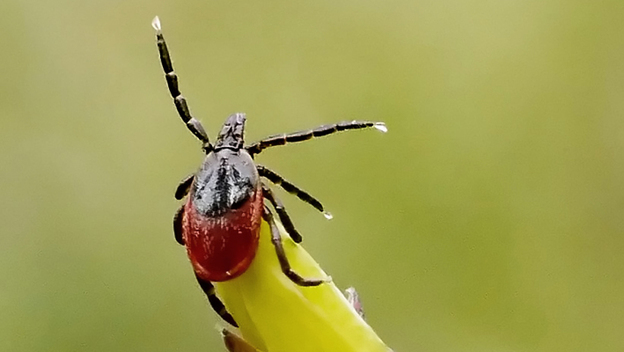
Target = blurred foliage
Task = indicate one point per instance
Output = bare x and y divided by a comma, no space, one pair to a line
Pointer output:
489,218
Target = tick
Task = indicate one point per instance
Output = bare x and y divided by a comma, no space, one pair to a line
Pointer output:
219,223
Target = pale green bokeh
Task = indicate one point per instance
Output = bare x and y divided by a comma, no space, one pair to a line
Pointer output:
489,218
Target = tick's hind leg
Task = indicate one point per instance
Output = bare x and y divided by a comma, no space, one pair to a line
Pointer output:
281,212
276,239
215,302
320,131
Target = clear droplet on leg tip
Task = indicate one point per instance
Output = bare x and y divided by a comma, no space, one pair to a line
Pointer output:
380,126
328,215
156,23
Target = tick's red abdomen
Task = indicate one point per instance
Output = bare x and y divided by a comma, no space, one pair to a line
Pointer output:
221,248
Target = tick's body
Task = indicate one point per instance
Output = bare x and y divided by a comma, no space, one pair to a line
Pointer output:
220,222
221,218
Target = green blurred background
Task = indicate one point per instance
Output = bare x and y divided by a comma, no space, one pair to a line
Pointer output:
489,218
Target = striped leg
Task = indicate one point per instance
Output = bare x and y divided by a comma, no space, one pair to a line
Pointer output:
215,302
172,81
276,239
292,189
320,131
281,212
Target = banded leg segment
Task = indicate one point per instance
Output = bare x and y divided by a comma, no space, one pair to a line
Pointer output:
281,212
184,187
289,187
320,131
215,302
172,82
276,239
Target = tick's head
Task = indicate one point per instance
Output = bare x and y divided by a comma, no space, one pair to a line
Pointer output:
232,133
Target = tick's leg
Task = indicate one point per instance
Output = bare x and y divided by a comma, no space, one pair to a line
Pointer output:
172,81
281,212
184,187
215,302
354,300
281,139
276,239
177,225
292,189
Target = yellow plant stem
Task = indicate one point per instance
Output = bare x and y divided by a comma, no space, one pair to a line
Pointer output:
276,315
